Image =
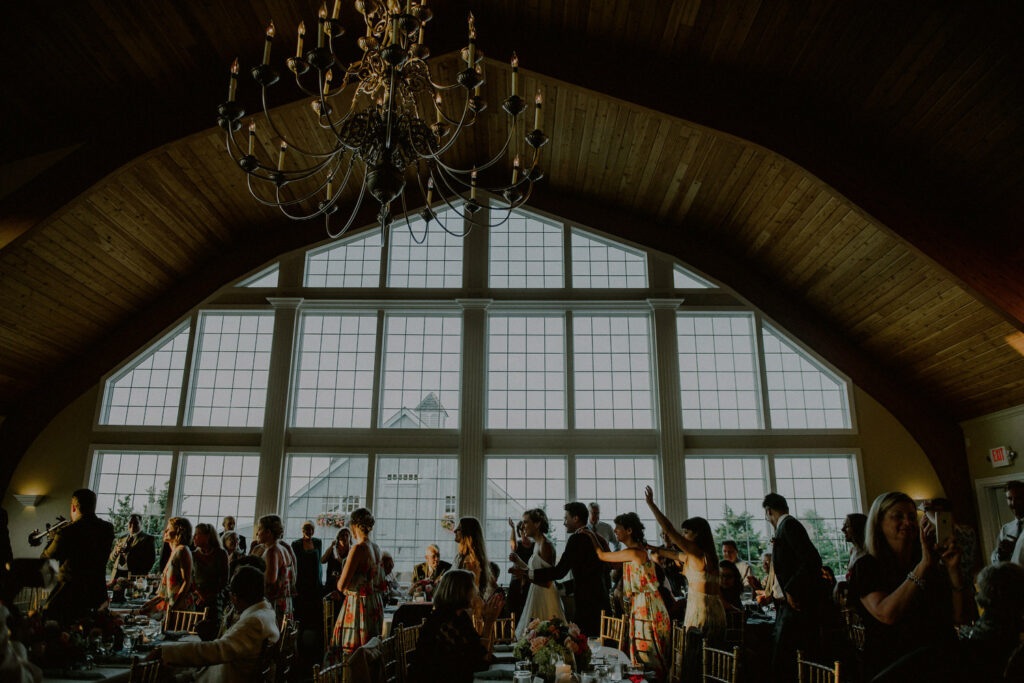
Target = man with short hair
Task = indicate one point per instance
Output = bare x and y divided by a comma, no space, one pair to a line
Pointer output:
429,571
1010,546
228,524
589,590
134,553
82,548
731,552
602,529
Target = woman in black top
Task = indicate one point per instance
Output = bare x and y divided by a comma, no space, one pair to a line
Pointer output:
307,581
906,597
522,545
449,648
334,557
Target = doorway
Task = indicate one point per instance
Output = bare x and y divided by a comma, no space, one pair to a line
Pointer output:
993,512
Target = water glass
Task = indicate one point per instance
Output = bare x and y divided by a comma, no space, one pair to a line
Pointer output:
522,676
524,665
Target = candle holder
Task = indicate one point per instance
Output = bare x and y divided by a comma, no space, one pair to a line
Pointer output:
536,139
229,116
265,75
514,105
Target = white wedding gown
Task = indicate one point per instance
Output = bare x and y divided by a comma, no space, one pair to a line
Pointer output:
541,603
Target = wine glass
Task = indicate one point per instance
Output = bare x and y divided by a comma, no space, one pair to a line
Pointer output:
635,673
595,645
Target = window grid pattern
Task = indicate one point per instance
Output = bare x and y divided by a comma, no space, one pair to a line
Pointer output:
526,253
684,279
410,512
334,387
422,356
727,491
267,278
617,485
820,491
323,489
515,485
612,372
437,262
232,365
140,477
215,485
526,372
717,374
801,395
354,263
597,264
149,392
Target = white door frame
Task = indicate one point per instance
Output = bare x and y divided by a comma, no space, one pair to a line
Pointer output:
989,533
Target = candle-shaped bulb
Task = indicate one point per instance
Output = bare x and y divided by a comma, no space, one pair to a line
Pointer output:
280,156
270,29
515,170
515,74
329,187
321,28
302,35
334,15
536,112
472,27
327,81
233,85
437,107
323,11
471,50
430,190
472,184
266,45
252,136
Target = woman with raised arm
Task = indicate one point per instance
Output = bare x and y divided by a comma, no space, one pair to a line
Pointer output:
542,601
704,608
650,629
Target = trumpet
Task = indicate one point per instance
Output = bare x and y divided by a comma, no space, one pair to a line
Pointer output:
36,537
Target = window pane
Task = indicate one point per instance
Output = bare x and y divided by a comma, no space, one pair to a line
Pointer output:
801,393
216,485
129,482
727,491
354,262
598,263
265,278
422,255
820,493
612,372
630,475
684,279
230,370
717,372
526,252
420,384
414,506
515,485
323,489
334,382
526,372
148,391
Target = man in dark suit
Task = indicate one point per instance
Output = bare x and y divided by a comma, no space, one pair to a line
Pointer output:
81,548
134,553
431,570
797,567
588,572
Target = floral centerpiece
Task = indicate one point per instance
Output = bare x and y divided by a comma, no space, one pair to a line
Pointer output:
331,519
448,522
547,642
52,645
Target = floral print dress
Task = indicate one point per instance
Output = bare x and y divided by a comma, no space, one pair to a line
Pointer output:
362,615
170,584
279,593
650,629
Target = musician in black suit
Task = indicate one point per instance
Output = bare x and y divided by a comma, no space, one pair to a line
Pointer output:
81,548
134,553
431,570
588,571
799,623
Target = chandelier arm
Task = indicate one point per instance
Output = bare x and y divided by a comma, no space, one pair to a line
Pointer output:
408,225
455,134
351,217
277,132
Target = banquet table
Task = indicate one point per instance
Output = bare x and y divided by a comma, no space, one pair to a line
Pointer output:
504,663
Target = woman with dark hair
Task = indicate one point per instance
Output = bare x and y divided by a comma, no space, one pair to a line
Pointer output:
521,546
472,555
309,588
362,583
853,532
731,585
211,569
650,628
449,648
542,601
699,556
906,598
334,557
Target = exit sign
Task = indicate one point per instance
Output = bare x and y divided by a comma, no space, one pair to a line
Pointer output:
998,456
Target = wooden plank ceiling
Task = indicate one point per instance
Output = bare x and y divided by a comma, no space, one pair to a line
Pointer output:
874,116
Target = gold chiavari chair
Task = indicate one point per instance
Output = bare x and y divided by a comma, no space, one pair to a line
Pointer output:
613,630
678,653
265,664
183,620
812,672
408,637
286,649
735,621
330,616
504,630
857,636
335,673
391,656
720,666
144,672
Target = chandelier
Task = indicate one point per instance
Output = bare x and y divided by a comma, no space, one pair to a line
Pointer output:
381,121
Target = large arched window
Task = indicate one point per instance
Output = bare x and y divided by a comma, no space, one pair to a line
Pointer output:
529,365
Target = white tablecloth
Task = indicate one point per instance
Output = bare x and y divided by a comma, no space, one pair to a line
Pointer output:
607,652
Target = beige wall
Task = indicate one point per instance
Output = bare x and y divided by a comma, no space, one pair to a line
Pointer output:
1005,428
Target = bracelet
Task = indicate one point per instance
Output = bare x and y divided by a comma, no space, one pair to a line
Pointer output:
916,580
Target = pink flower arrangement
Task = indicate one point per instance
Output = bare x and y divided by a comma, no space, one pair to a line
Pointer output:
547,642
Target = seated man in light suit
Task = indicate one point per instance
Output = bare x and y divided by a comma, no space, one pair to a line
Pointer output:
234,657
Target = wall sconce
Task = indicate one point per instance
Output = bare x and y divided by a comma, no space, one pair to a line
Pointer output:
30,500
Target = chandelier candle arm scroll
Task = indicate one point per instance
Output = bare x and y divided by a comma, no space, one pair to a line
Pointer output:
377,121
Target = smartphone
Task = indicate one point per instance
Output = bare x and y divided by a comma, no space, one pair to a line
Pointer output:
943,523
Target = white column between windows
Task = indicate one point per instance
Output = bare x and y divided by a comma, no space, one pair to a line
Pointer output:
670,410
275,420
472,408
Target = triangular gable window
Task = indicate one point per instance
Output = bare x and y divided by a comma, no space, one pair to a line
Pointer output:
684,279
148,391
601,264
802,394
264,278
354,262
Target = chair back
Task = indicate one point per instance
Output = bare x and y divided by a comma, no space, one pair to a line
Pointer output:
613,630
857,636
391,657
735,621
408,636
266,663
144,672
330,616
504,630
335,673
183,620
720,666
678,653
285,657
812,672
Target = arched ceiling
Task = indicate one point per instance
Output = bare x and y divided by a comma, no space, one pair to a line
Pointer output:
862,161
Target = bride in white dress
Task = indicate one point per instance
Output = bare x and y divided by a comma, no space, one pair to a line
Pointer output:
542,602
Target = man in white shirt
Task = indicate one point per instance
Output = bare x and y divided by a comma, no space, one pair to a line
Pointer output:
1010,547
732,553
235,656
602,529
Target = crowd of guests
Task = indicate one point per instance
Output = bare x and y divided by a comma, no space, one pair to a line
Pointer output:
908,586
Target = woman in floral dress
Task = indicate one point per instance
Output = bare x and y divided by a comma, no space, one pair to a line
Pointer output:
650,629
280,565
177,588
363,586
